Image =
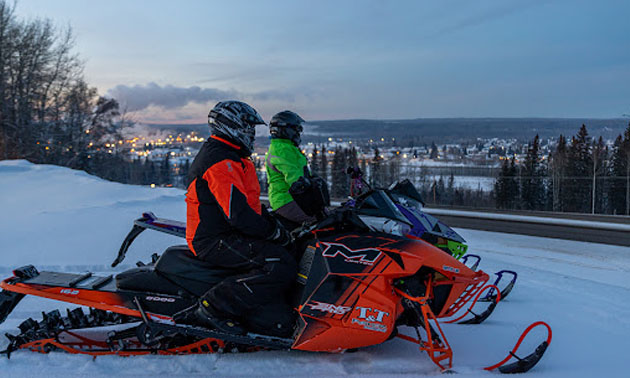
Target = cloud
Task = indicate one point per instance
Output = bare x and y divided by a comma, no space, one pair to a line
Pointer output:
140,97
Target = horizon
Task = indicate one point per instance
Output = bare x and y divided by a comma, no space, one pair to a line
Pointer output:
620,118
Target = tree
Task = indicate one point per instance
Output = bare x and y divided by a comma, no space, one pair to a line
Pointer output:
393,170
165,169
626,150
376,169
578,192
340,185
314,163
557,169
39,80
434,151
619,190
599,168
323,164
532,186
506,187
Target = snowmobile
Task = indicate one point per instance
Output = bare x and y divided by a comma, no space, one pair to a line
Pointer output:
426,227
356,287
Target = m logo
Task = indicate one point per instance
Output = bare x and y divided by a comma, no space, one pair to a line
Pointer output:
365,256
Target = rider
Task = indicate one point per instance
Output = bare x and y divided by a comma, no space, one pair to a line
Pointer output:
227,227
285,164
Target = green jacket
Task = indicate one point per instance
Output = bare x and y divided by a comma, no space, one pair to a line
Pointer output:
285,165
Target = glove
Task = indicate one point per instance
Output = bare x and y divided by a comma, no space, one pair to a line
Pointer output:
280,235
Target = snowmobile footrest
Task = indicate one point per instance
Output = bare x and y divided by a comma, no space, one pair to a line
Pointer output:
8,301
82,277
101,282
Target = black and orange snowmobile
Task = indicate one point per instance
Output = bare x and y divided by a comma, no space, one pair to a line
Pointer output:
356,287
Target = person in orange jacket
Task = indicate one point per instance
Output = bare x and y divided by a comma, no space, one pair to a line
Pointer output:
227,227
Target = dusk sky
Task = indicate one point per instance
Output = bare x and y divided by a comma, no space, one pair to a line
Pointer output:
170,61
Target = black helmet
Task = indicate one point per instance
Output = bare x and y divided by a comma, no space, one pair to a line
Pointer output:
286,125
236,121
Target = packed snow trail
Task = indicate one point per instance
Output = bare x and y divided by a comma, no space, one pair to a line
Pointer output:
60,219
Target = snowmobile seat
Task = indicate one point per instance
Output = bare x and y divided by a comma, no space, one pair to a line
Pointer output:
177,271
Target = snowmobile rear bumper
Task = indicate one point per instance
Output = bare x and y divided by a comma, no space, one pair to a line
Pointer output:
9,299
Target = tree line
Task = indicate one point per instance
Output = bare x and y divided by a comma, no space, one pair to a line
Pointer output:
582,174
48,112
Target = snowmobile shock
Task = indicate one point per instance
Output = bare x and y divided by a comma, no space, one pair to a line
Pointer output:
436,346
524,364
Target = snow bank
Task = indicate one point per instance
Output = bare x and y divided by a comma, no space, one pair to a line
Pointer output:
55,216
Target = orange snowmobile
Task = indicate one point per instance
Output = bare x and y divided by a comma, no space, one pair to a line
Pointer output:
356,287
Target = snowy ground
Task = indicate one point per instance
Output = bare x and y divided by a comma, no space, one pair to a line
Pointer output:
66,220
483,183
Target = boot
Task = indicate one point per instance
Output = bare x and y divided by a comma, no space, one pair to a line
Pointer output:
203,314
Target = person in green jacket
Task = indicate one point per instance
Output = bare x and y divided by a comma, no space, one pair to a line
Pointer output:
285,164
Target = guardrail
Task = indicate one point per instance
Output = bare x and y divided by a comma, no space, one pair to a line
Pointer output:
607,232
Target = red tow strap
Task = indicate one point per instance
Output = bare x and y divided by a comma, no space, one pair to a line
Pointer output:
520,340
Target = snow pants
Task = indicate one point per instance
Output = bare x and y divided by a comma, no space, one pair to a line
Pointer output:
257,294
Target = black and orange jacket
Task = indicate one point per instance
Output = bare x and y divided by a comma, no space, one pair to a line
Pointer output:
223,196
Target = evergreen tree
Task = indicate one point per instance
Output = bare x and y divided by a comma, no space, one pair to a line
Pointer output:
512,188
340,187
376,169
314,162
532,186
626,150
617,187
501,186
599,169
184,173
450,190
323,164
434,151
557,170
577,194
165,170
393,171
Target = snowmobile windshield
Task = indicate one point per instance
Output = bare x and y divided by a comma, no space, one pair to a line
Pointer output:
378,204
408,190
427,221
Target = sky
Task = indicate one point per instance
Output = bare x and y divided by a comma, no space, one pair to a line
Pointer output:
171,61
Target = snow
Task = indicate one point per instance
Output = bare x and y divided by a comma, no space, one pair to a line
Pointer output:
485,184
56,218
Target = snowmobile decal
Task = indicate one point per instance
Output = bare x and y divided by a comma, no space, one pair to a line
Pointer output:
365,256
327,307
372,326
